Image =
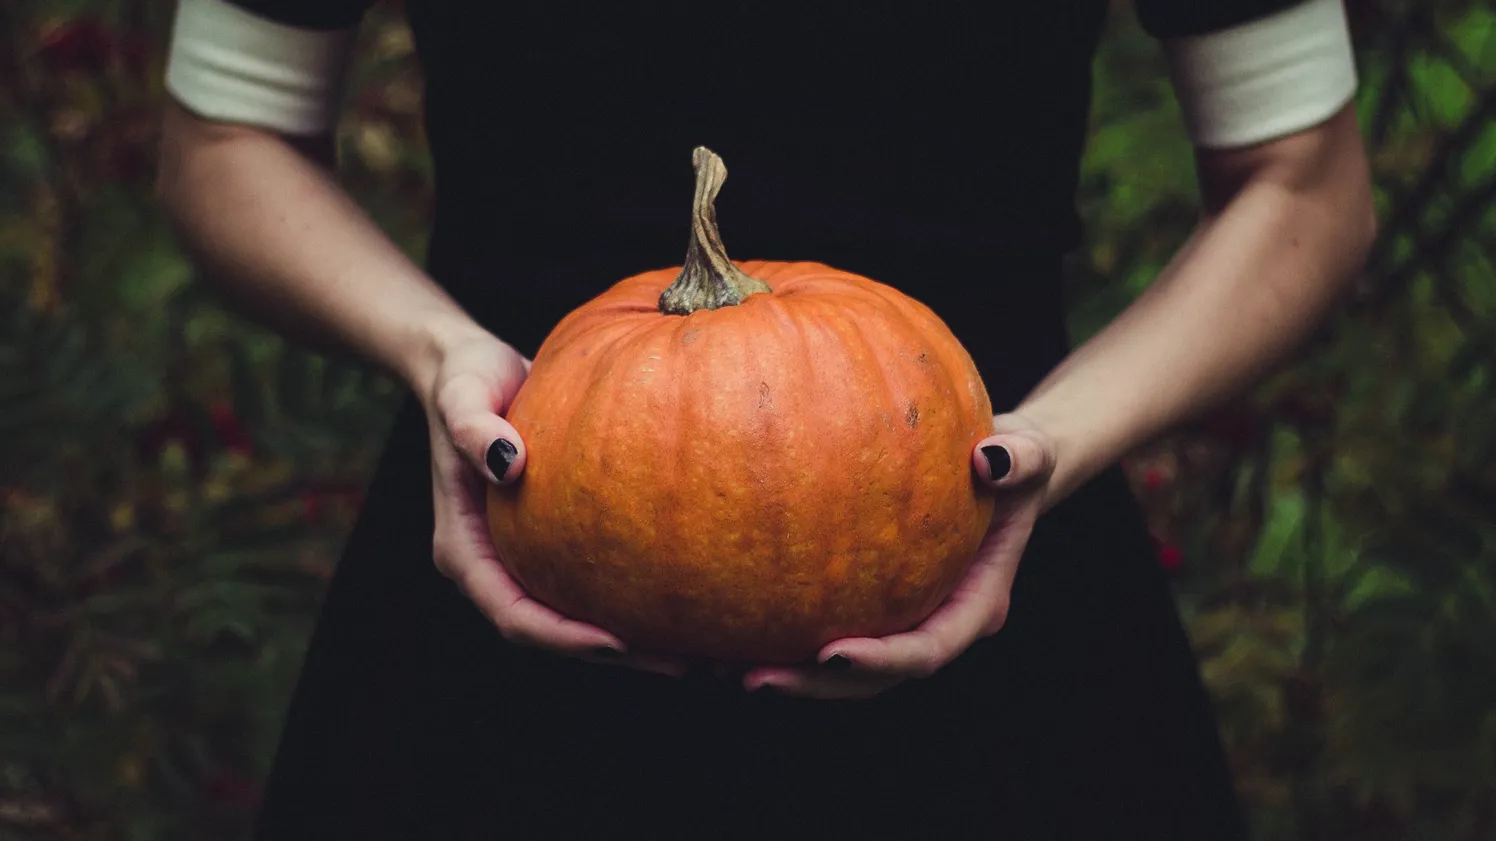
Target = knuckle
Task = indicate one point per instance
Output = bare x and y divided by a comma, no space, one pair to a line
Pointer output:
464,430
1039,457
448,397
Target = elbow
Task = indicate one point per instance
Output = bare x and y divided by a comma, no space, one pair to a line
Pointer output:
1332,180
1341,174
1323,183
193,153
191,149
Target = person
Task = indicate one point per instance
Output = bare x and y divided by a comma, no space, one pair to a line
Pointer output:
934,147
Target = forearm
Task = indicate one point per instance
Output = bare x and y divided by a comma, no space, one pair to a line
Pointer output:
1258,275
282,241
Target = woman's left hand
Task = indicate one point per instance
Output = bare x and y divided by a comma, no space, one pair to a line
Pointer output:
1017,461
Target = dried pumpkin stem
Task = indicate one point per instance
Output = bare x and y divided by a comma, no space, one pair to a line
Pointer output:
708,279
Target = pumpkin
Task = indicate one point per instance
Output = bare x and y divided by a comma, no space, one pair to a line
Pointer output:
743,462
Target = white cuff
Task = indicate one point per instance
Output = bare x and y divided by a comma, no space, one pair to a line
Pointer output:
230,65
1266,78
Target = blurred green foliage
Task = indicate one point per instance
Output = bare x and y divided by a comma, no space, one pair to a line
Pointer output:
176,483
1339,525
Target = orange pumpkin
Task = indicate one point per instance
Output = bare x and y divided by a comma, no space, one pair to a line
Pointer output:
745,462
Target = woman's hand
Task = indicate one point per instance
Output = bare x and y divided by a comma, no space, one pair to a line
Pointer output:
471,444
1017,462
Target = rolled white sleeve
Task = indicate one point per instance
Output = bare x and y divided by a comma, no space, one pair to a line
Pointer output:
1266,78
230,65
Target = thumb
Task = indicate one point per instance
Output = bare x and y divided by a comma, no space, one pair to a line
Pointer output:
1004,461
490,443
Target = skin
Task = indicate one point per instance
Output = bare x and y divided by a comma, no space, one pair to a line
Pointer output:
1285,227
299,255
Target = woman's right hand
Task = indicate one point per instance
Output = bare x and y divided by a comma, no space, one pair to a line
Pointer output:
474,380
298,254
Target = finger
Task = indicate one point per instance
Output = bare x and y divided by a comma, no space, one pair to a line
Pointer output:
467,557
670,667
1003,461
818,683
521,619
465,554
469,411
978,607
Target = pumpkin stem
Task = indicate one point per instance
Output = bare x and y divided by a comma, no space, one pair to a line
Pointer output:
708,279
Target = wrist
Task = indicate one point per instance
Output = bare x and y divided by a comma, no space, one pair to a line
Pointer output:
1080,446
428,343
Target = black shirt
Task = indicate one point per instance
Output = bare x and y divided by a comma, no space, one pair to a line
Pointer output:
932,146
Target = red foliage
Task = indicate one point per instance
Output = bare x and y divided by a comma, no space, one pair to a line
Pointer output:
312,504
230,433
1154,479
1170,556
232,790
177,426
81,44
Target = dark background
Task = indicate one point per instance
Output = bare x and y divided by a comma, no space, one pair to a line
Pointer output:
175,484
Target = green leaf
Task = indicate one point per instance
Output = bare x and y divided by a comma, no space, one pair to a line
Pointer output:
1275,554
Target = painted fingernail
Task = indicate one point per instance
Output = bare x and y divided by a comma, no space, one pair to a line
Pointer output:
999,462
837,663
606,652
500,455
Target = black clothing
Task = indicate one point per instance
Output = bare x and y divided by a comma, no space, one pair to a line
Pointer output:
931,146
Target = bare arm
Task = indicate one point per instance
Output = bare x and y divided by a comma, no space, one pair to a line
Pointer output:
1287,221
285,244
1287,224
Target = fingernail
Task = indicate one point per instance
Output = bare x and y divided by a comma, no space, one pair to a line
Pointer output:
837,663
606,652
999,462
501,454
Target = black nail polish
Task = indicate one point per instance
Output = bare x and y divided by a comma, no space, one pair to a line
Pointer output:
501,454
837,663
606,652
999,462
